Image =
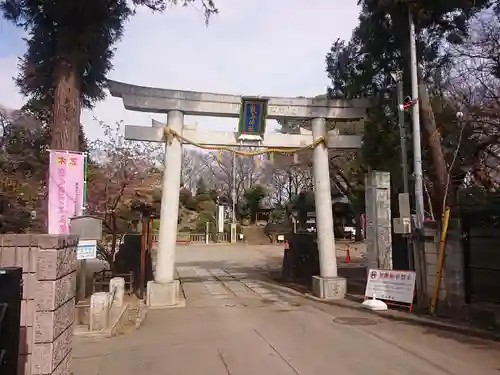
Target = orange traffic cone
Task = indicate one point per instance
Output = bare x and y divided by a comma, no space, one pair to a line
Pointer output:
286,245
348,255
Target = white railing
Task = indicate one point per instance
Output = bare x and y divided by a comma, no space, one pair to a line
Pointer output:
222,237
197,237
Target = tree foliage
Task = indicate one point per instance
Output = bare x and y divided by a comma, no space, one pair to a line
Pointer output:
119,178
253,198
70,46
23,160
218,167
362,67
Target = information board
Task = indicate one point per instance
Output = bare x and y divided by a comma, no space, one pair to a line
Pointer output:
391,285
86,249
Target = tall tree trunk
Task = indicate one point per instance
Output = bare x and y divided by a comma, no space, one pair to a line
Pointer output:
434,142
66,107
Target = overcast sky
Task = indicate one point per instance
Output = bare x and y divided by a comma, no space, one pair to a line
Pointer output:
253,47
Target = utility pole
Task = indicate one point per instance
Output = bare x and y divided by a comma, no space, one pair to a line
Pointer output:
417,153
402,135
398,78
417,168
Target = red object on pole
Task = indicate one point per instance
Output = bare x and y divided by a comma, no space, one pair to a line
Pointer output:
286,245
348,255
408,104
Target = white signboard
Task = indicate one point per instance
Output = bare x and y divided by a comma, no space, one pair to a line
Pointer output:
87,249
391,285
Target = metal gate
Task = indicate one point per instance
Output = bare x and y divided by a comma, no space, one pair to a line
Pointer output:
481,226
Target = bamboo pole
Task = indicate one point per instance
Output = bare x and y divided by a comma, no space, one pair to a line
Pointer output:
440,262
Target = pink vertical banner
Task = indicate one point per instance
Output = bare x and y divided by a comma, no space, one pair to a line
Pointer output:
66,178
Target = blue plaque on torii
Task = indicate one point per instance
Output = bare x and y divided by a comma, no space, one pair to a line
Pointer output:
253,113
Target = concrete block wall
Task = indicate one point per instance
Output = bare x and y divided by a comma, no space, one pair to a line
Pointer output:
451,296
47,307
431,248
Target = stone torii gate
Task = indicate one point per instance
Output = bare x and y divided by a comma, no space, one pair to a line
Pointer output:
164,290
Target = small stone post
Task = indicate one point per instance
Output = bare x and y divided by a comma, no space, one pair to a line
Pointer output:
117,284
99,307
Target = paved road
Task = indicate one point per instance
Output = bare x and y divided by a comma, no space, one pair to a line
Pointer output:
237,324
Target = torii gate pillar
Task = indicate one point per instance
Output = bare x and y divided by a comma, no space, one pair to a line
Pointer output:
327,285
165,290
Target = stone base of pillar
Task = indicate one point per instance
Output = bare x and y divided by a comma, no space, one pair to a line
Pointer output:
329,288
163,295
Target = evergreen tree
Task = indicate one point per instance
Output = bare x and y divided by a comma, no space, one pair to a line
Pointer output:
70,46
23,168
379,45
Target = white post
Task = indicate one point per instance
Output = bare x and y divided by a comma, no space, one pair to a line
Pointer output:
164,291
323,202
233,233
220,219
233,189
327,285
